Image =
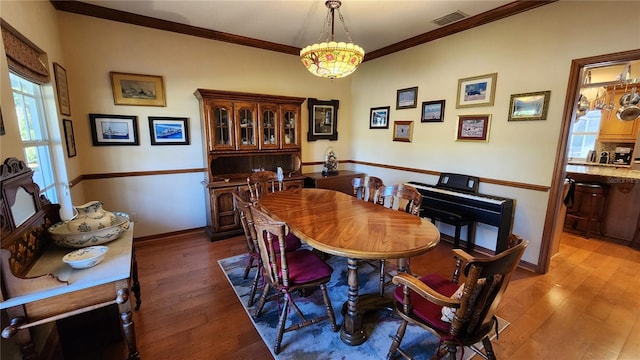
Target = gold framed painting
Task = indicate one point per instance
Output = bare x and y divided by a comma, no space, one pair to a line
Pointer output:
473,128
137,89
476,91
402,131
529,106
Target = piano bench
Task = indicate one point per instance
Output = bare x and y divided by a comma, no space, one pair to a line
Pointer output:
454,219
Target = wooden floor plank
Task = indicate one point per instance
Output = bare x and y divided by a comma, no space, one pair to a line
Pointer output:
585,308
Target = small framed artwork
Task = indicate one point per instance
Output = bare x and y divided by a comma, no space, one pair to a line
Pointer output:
476,91
114,129
473,127
137,89
323,119
407,98
402,130
432,111
62,89
69,137
529,106
169,130
379,118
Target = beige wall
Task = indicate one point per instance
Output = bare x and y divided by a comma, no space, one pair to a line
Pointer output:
526,56
530,52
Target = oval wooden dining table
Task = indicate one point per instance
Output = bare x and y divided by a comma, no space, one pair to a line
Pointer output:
342,225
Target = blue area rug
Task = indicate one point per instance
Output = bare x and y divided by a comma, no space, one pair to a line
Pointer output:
318,341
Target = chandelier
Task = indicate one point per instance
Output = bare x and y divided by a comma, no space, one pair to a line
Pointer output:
330,59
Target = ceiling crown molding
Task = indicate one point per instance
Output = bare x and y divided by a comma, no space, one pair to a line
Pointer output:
79,7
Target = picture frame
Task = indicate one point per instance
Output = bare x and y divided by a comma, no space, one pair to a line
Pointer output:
432,111
109,130
473,127
169,130
62,89
402,131
476,91
69,137
529,106
407,98
323,119
379,117
137,89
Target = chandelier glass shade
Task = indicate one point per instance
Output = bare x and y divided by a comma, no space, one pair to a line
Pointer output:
331,59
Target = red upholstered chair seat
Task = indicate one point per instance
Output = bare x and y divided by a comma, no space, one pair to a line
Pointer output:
305,266
426,310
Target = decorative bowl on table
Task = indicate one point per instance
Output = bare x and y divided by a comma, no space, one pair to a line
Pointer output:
86,257
63,236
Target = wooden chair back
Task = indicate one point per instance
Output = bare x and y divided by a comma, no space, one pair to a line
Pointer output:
262,182
269,233
486,282
365,188
399,197
246,221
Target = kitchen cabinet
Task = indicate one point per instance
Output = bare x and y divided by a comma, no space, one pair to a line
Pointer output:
613,129
243,132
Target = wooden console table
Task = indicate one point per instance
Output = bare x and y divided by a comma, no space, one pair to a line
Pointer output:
338,182
77,291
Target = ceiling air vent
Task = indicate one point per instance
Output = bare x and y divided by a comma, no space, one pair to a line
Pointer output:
449,18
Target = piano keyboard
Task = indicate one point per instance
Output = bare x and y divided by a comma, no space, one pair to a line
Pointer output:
458,194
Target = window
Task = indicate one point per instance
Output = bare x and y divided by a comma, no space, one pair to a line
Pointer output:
584,134
33,132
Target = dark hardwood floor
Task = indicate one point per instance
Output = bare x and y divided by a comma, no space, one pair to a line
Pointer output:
586,307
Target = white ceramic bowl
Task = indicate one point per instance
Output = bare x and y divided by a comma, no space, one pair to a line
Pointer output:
86,257
63,236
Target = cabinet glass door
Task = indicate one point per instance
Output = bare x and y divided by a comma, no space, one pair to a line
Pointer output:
246,126
269,138
221,127
290,130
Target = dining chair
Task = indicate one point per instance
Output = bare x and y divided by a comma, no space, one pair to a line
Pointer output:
261,182
246,221
288,273
398,197
365,188
461,315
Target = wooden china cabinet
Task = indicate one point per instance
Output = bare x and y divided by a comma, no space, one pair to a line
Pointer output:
244,132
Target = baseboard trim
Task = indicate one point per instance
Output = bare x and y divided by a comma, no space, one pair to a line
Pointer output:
145,240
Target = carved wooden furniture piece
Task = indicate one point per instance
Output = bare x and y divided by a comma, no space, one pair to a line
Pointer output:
470,308
590,207
339,224
365,188
243,132
37,287
289,271
262,182
338,182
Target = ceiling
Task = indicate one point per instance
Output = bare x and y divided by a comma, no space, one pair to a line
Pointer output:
372,24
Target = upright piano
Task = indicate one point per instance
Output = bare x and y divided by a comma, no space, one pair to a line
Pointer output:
457,193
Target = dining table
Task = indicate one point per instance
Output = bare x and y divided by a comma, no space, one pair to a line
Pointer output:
340,224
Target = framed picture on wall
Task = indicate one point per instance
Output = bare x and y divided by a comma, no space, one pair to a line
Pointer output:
432,111
379,117
137,89
407,98
323,119
529,106
114,129
62,89
402,131
69,138
169,130
473,127
476,91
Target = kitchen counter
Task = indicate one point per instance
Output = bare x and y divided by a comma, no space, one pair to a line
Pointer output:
608,171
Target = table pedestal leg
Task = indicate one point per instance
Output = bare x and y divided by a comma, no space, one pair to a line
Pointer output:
352,332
